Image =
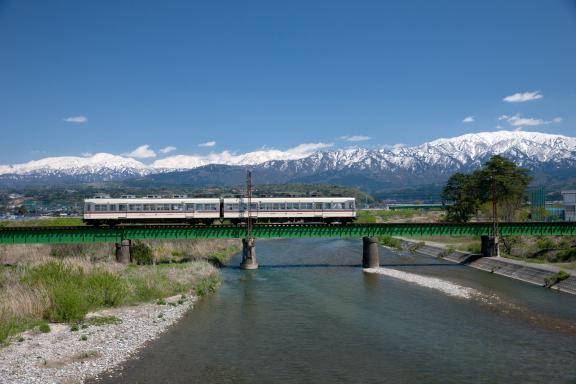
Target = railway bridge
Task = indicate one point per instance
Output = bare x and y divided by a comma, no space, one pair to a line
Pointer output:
122,235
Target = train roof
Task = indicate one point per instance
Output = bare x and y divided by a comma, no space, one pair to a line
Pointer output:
144,200
293,199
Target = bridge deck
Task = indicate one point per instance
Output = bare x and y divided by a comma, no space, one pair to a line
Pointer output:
87,234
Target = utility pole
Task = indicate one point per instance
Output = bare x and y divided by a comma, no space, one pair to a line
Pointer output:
490,245
249,201
249,242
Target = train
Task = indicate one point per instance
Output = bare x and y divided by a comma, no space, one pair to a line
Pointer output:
196,211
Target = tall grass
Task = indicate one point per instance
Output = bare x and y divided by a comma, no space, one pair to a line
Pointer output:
65,292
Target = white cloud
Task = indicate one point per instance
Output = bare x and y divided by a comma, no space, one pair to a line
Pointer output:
167,149
230,158
76,119
468,119
142,152
523,96
355,138
207,144
87,154
519,121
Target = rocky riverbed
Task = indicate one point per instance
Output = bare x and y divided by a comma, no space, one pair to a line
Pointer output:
64,356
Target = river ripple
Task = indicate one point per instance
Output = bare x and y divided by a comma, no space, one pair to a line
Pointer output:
310,315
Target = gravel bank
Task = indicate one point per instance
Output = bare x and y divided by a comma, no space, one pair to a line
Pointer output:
62,357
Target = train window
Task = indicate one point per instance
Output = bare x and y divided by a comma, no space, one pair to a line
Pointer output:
100,208
87,207
318,206
112,207
135,207
254,206
176,207
190,207
306,206
122,207
213,207
337,206
326,205
147,207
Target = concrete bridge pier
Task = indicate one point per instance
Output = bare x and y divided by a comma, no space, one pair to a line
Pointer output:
489,246
123,252
249,254
370,258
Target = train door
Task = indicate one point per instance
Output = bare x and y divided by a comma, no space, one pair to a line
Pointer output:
122,211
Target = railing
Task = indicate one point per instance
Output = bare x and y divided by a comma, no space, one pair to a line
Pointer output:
87,234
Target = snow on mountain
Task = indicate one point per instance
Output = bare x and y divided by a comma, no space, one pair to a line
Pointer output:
437,158
98,164
443,155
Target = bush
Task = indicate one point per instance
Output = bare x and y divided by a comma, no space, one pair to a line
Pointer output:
68,304
105,289
44,328
555,279
567,255
390,241
207,285
546,243
141,253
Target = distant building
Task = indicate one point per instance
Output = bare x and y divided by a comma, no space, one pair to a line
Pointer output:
569,205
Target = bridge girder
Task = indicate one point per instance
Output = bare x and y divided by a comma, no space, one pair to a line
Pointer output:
87,234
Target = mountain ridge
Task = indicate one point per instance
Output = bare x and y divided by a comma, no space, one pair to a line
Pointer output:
547,155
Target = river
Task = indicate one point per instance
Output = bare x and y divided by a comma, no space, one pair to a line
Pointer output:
310,315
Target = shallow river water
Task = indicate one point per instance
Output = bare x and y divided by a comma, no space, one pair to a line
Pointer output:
310,315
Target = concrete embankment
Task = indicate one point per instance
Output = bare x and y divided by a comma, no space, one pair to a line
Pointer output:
519,270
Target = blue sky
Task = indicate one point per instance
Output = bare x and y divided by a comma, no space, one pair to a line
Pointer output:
250,74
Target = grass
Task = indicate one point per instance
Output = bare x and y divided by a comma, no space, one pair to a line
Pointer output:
555,278
45,222
62,283
390,241
62,292
398,215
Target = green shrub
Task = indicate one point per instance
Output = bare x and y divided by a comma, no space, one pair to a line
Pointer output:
68,304
555,278
83,338
567,255
74,328
141,253
207,285
390,241
161,302
105,289
546,243
5,331
44,328
474,248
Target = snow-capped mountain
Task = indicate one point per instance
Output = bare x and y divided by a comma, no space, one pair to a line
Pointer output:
431,162
442,156
98,167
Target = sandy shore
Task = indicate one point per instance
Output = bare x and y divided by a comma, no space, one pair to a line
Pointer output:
61,356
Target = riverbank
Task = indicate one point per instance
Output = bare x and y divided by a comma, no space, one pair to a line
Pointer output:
70,312
544,275
65,355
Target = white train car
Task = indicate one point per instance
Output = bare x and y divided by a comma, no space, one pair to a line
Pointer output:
151,210
286,209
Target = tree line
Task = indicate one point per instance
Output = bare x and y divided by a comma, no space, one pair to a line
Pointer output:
499,182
